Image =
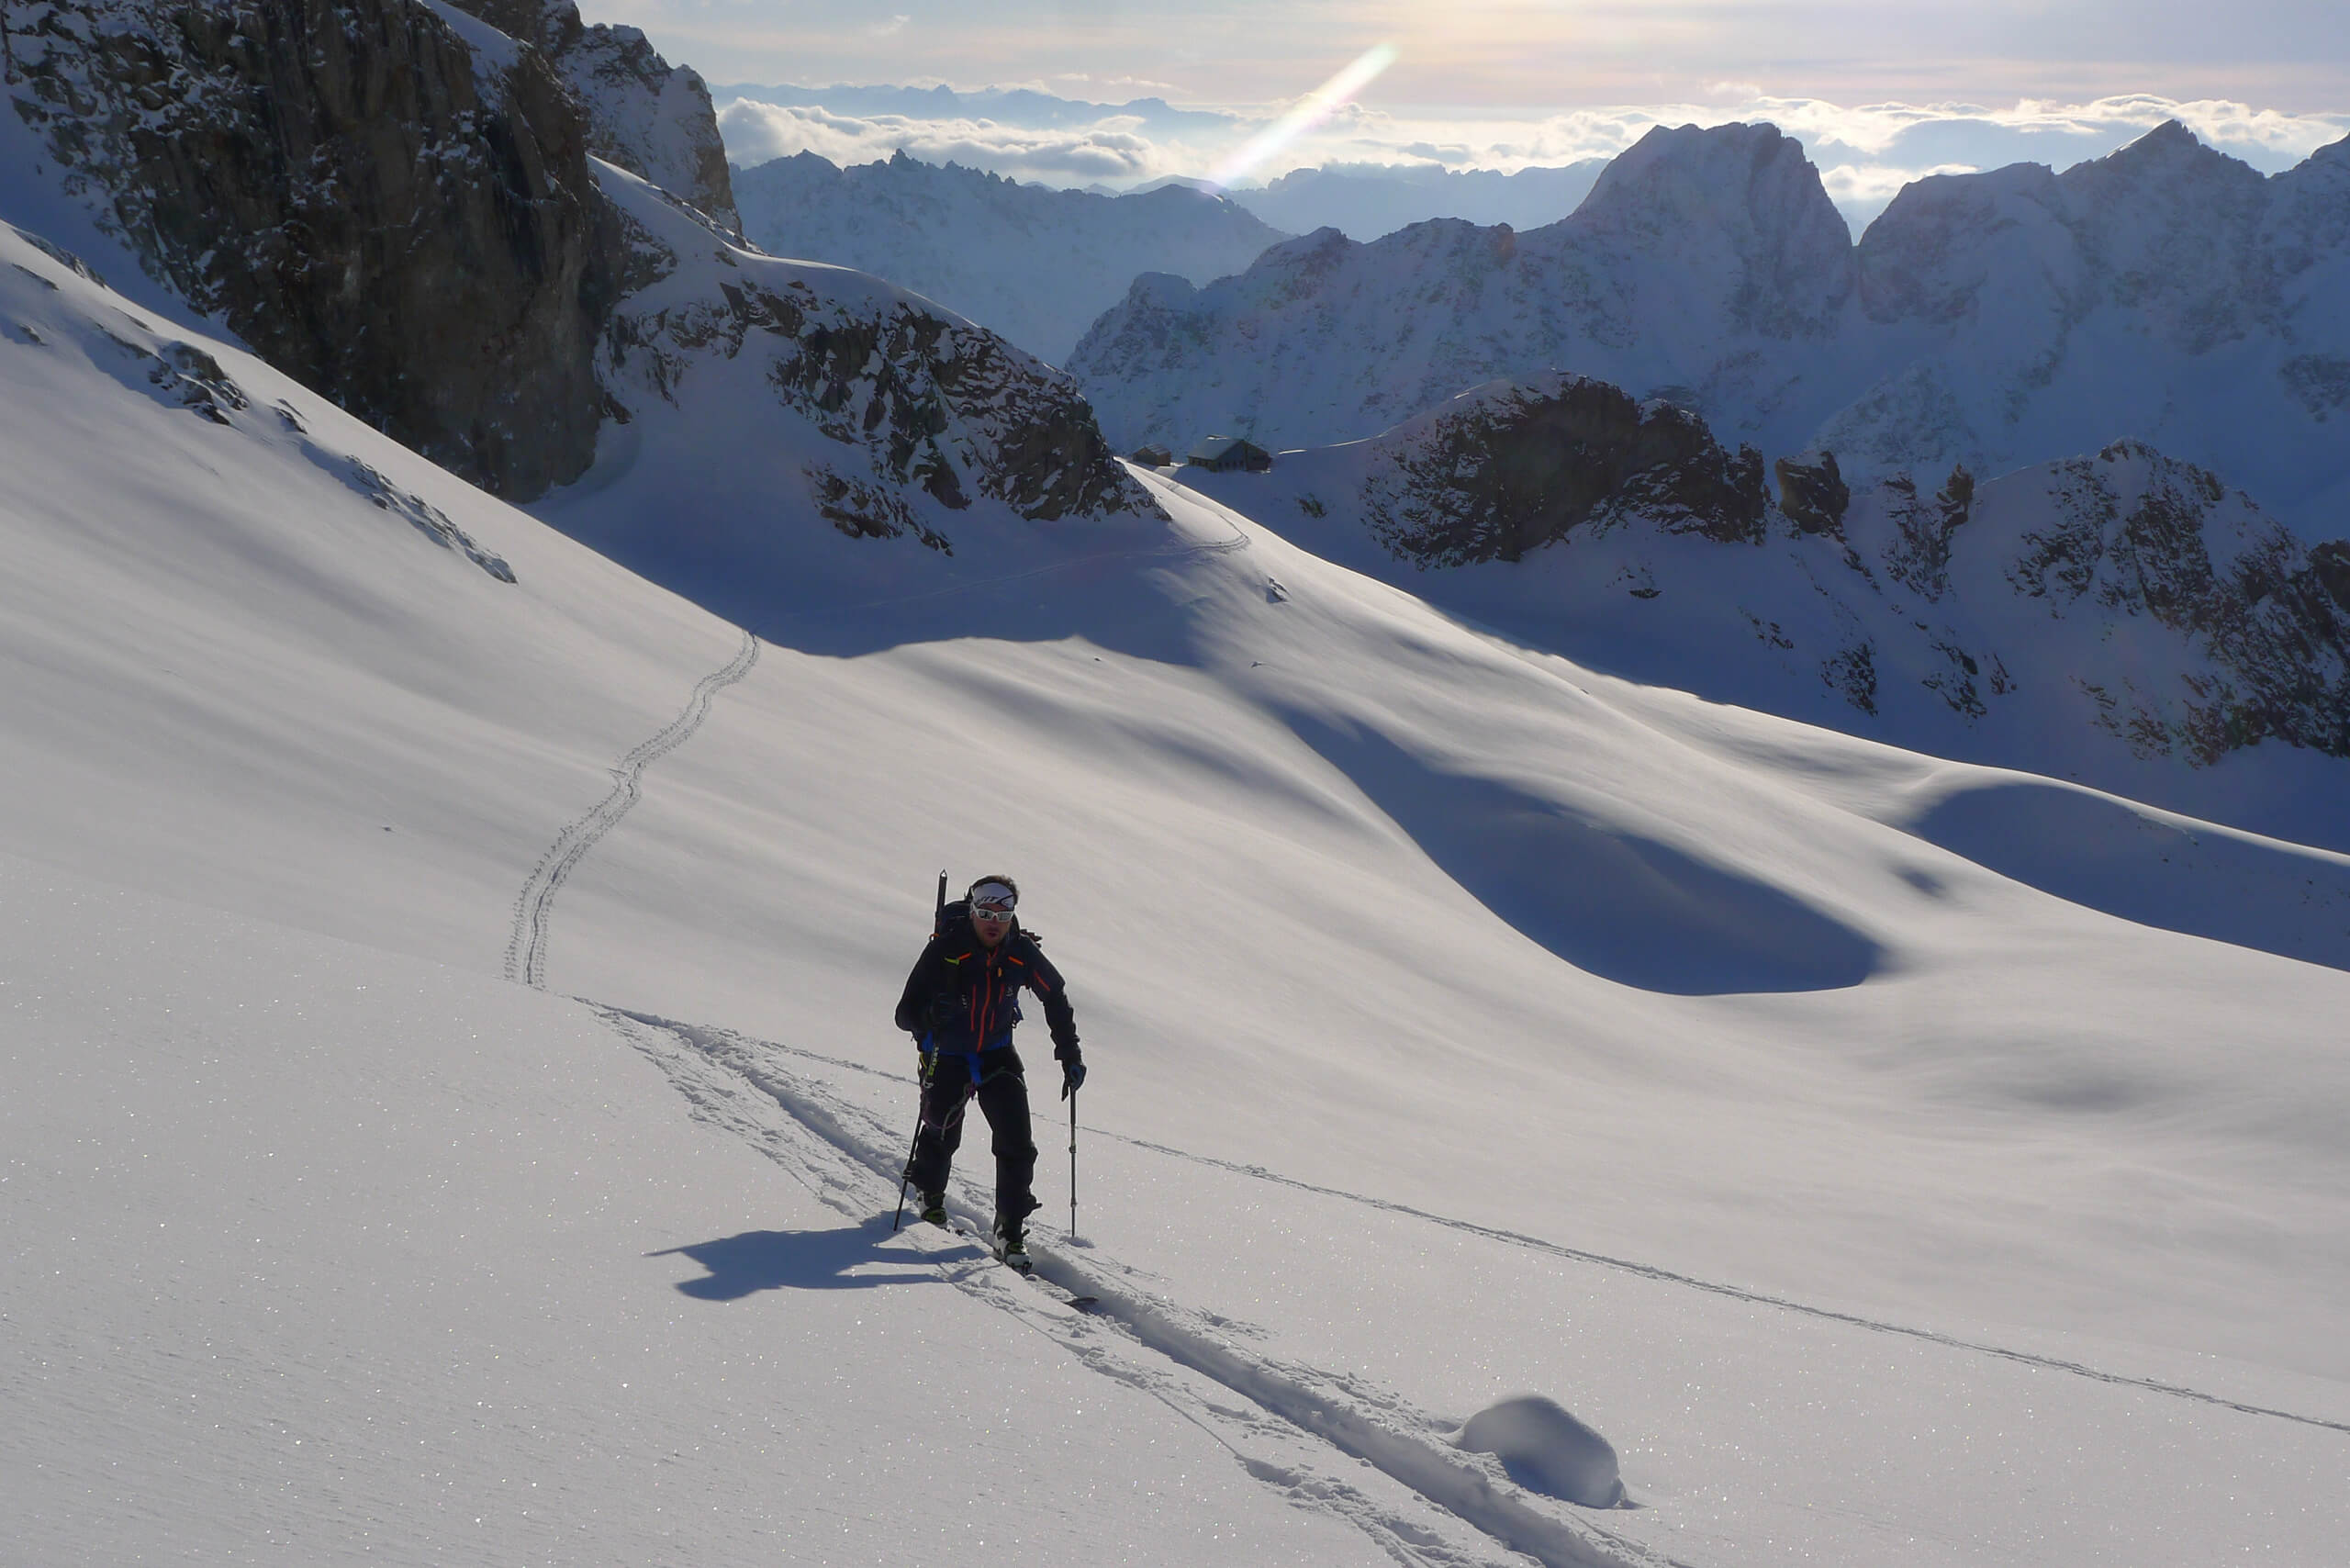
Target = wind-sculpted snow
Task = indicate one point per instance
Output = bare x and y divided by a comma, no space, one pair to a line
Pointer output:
2126,619
2166,292
75,315
2104,853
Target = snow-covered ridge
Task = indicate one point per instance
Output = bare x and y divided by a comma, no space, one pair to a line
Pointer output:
1032,264
755,401
1706,260
2166,292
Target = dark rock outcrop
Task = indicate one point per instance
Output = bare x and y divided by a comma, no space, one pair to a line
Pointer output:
2132,537
1917,556
1813,494
1520,467
400,220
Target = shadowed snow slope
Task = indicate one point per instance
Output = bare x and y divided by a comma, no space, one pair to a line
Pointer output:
1714,1100
2120,620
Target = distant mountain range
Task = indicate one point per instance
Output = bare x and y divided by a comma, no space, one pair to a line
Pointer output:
1037,265
2166,293
1019,106
1365,201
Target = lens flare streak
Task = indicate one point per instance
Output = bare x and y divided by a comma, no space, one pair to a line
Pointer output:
1311,111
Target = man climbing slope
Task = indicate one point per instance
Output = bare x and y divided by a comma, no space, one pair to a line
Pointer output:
960,1005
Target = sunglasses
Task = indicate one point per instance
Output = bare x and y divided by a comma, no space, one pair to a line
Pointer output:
991,912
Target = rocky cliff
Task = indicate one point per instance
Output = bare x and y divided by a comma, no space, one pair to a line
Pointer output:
394,212
1510,468
652,118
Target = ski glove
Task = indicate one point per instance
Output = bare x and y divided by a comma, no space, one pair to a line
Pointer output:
1072,1074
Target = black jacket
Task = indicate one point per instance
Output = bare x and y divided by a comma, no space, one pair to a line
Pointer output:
965,996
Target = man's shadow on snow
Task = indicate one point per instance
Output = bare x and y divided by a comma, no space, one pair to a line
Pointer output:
759,1261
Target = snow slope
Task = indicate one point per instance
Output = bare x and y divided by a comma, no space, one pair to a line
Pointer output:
1032,264
1464,1024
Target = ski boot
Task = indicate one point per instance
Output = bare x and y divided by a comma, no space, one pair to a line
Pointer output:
933,1209
1010,1246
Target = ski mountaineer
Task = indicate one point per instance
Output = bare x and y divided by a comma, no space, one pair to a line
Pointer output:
959,1004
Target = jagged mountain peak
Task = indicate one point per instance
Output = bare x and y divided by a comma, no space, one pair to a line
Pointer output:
1739,202
1737,178
2166,165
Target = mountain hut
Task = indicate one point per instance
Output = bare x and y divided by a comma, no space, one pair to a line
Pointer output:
1224,453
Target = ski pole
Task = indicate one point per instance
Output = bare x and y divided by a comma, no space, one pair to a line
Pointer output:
1072,1164
909,1174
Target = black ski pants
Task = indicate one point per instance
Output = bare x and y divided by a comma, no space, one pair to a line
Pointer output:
996,1081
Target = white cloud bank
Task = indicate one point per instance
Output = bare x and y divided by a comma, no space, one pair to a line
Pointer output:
1865,153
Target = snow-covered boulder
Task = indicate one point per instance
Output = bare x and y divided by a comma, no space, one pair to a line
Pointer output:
1546,1449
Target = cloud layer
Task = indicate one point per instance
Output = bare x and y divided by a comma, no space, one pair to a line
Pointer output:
1864,153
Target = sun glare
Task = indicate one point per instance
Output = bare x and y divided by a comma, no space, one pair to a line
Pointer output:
1311,111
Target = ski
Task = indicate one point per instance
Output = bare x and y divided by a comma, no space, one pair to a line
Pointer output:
1026,1270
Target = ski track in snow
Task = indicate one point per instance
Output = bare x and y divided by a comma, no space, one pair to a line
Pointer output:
526,949
1666,1276
1290,1417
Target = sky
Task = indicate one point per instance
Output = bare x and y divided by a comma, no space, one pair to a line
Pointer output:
1532,54
1880,95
